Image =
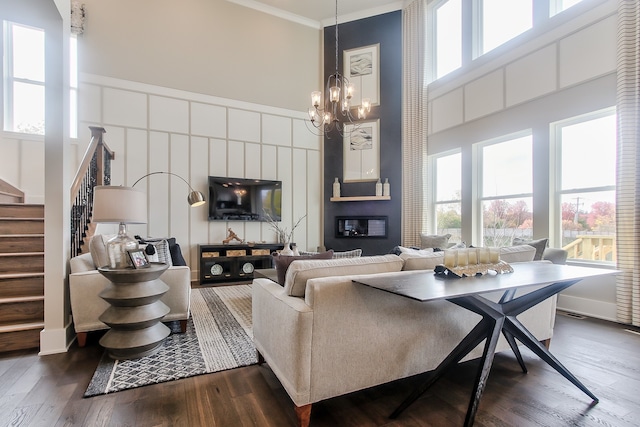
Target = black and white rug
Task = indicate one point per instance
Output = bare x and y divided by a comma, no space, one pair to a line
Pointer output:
218,337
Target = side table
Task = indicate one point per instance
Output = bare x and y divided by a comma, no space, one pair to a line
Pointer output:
135,312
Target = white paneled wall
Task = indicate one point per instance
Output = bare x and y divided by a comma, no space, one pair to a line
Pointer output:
153,128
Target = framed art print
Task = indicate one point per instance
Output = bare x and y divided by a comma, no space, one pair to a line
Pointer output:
361,151
362,69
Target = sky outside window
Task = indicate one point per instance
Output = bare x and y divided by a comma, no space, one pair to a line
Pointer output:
448,37
503,20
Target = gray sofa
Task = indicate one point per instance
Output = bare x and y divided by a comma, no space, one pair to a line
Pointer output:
324,336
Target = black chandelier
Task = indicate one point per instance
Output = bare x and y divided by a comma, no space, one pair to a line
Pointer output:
336,112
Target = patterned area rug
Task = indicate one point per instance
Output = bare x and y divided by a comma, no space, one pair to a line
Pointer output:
218,337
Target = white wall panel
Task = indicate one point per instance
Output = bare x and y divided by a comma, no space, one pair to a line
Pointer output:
235,159
484,95
197,178
244,125
208,120
276,130
252,162
116,140
156,185
178,206
447,110
269,161
303,137
136,161
285,174
299,198
91,100
124,108
32,154
588,53
314,199
532,76
217,157
168,114
11,163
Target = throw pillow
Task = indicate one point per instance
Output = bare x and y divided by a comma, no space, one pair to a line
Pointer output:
98,250
434,241
282,262
539,244
161,247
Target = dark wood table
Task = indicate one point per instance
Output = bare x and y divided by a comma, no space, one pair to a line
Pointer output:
497,317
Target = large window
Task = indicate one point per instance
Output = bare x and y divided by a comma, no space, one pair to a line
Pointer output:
502,20
448,195
461,31
506,190
24,79
586,186
448,25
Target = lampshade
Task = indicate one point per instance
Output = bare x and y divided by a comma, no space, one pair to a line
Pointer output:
121,205
113,204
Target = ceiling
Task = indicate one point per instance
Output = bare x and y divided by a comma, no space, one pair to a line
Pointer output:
320,13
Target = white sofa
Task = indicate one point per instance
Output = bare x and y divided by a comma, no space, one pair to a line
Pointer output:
324,336
86,283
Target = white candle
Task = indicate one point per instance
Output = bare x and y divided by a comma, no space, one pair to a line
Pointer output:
450,258
483,255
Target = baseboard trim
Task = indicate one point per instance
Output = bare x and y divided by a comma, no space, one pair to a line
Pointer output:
587,307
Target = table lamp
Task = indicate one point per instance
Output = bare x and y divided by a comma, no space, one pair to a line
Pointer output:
119,205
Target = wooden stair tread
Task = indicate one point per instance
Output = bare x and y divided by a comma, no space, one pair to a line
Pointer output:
20,275
21,299
13,218
21,235
8,254
21,327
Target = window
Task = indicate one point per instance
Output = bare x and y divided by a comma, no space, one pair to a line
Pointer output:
448,37
506,190
586,187
461,31
448,195
558,6
73,83
24,79
503,20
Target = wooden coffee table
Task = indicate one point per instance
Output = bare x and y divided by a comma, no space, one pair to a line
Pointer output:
497,317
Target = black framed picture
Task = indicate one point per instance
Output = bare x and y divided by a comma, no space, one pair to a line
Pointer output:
138,258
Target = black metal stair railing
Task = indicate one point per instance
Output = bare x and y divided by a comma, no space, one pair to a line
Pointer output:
95,169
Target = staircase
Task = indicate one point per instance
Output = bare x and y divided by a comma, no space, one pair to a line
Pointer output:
21,276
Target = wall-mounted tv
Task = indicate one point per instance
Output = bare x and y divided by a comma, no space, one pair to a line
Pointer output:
242,199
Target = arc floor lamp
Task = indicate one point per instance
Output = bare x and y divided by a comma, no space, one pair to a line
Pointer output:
195,198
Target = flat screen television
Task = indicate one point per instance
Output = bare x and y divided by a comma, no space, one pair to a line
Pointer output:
242,199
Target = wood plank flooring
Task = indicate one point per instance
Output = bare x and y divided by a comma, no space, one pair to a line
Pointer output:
47,391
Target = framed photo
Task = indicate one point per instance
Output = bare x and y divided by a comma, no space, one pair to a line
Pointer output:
362,69
138,259
361,152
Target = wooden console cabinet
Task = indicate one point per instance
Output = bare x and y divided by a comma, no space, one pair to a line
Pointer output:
233,262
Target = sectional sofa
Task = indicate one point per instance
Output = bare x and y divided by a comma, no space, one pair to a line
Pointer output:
324,336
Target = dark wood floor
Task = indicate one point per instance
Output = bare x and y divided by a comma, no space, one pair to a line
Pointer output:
47,391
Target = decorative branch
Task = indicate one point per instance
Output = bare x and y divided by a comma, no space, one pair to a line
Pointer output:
284,235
